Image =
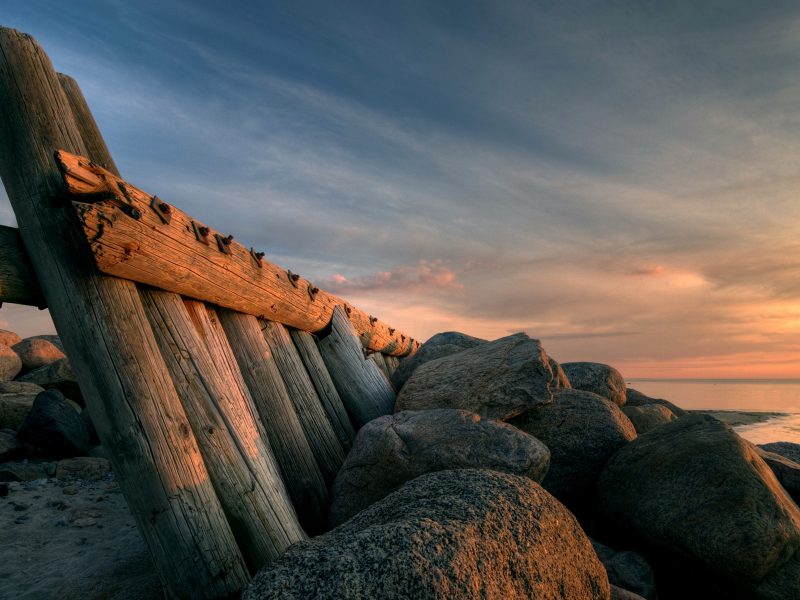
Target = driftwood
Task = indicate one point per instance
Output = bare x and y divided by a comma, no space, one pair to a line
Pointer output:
299,468
240,464
307,405
18,283
337,415
392,362
108,340
363,387
142,239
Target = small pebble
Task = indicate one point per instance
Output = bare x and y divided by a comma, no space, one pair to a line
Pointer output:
70,490
85,522
20,506
60,522
103,497
111,486
21,519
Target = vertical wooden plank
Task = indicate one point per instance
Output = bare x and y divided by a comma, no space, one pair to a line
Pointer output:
392,363
299,468
362,385
307,405
337,415
223,419
109,342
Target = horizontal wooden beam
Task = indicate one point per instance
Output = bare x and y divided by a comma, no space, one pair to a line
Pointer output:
18,283
136,236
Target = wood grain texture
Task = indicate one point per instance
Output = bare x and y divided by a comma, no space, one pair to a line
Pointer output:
108,340
132,240
307,405
331,401
298,466
392,362
363,387
18,283
223,419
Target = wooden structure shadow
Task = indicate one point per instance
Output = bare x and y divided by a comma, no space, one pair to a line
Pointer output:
223,422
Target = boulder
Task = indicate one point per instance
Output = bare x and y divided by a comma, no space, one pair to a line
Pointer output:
394,449
10,363
560,379
55,427
86,417
10,448
128,574
620,594
637,398
648,416
582,431
9,338
451,534
59,376
706,510
53,339
14,409
17,471
82,467
498,380
439,346
597,378
628,570
36,353
788,450
787,472
19,388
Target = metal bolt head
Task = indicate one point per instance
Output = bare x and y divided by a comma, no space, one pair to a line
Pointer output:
165,208
203,231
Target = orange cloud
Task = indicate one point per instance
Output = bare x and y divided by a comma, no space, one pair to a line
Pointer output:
424,275
652,271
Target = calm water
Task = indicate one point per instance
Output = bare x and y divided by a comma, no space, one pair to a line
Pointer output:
754,395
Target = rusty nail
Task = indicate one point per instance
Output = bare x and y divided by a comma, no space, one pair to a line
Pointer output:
227,240
203,231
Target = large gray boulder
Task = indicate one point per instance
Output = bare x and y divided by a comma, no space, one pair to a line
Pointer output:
10,448
786,471
582,431
36,352
10,363
628,570
637,398
16,401
706,510
597,378
463,534
55,426
648,416
788,450
498,380
59,376
394,449
439,346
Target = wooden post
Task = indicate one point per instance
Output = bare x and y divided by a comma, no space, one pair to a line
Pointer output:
299,468
18,284
109,342
307,405
223,419
365,391
337,415
392,362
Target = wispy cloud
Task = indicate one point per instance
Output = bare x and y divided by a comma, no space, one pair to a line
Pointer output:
424,276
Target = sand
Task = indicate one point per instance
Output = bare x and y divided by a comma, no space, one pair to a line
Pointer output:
42,552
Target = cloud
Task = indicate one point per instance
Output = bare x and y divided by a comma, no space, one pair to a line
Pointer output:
424,276
653,271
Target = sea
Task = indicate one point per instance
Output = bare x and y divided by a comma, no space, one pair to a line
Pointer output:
779,399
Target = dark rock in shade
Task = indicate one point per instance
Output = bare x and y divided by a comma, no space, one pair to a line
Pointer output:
582,431
788,450
10,363
618,593
16,471
3,490
59,376
648,416
560,379
14,409
86,417
787,472
9,338
451,534
498,380
597,378
82,467
128,574
394,449
53,339
438,346
36,353
55,426
627,570
706,510
637,398
10,448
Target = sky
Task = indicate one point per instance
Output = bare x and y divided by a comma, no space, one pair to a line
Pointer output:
618,179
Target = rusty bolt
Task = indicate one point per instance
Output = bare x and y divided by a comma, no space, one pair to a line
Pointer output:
203,231
295,276
391,331
227,240
259,255
347,309
402,338
314,290
165,208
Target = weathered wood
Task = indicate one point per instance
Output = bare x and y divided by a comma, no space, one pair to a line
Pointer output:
18,283
337,415
299,468
223,419
363,387
392,362
108,340
378,358
307,405
84,119
133,240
